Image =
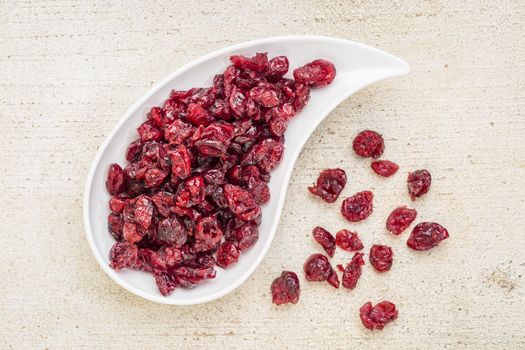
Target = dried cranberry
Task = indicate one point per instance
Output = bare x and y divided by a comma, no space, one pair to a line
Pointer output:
329,185
352,271
257,63
227,254
325,239
266,155
115,225
148,132
134,150
418,183
316,73
384,168
115,181
278,66
426,235
180,163
191,192
286,289
368,143
198,115
381,257
171,231
302,95
376,317
214,139
123,255
139,210
246,235
400,219
154,177
348,240
117,204
241,202
207,233
358,207
317,268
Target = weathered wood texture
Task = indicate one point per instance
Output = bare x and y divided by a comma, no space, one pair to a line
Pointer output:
70,69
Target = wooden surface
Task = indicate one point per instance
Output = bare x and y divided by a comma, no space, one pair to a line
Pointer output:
70,69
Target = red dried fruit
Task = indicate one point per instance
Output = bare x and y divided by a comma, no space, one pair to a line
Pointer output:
368,143
348,240
115,182
352,271
317,268
358,207
381,257
316,73
376,317
426,235
325,239
286,289
329,185
227,254
400,219
189,197
418,183
384,168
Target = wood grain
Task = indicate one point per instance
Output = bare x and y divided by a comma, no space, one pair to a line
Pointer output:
70,69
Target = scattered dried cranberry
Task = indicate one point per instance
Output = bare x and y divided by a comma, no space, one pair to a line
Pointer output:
348,240
352,271
418,183
426,235
381,257
317,268
368,143
286,289
376,317
325,239
189,197
400,219
384,168
358,207
329,184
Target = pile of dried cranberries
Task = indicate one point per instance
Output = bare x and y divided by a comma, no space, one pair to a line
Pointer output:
329,185
189,196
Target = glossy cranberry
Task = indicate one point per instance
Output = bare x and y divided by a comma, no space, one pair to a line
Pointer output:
400,219
352,271
286,289
148,132
376,317
325,239
317,268
316,73
368,143
227,254
426,235
384,168
115,180
358,207
123,255
171,231
348,240
418,183
329,185
381,257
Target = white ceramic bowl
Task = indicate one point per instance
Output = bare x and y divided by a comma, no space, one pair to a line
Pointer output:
357,66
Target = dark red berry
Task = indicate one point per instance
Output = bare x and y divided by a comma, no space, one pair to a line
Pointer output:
352,271
316,73
123,255
384,168
376,317
317,268
418,183
358,207
286,289
368,143
400,219
325,239
381,257
329,185
227,254
348,240
115,180
426,235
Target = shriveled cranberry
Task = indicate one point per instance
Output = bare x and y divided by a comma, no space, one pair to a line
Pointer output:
148,132
198,115
208,233
329,185
265,154
115,181
384,168
214,139
156,116
227,254
237,102
368,143
117,204
163,201
171,231
177,132
418,183
376,317
166,283
265,95
381,257
278,66
257,63
123,255
154,177
352,271
180,163
134,150
325,239
400,219
348,240
191,192
139,210
302,95
286,288
115,225
317,268
241,202
246,235
426,235
316,73
358,207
